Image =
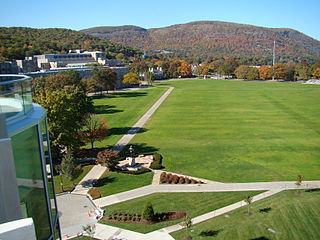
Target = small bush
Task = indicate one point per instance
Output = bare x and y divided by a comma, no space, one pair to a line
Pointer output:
94,193
188,181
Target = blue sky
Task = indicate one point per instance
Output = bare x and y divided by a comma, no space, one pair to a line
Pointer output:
302,15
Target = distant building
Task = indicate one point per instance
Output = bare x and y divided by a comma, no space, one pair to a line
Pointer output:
8,67
48,61
27,65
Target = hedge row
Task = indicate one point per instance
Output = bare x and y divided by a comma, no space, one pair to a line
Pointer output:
169,178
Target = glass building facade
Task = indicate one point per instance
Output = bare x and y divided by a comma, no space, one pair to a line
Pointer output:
27,130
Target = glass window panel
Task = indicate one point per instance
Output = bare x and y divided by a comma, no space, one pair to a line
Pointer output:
32,192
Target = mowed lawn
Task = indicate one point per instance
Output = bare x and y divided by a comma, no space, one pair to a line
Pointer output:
194,204
122,110
291,216
238,131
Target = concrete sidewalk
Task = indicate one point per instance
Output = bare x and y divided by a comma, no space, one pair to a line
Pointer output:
215,187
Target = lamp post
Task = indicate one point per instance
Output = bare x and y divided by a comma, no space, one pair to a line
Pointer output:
131,150
61,184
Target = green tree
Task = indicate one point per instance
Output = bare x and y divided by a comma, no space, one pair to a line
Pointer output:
60,80
253,73
303,71
105,77
66,109
69,167
148,212
149,77
108,158
94,129
91,85
242,72
131,78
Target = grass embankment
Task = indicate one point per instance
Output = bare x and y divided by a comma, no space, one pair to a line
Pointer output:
118,182
291,216
193,204
238,131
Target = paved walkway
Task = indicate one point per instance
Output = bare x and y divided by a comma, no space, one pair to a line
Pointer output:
97,171
216,187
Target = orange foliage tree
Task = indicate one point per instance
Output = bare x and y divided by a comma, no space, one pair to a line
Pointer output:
265,72
95,129
184,69
316,73
279,71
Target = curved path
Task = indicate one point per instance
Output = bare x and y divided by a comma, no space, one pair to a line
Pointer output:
97,171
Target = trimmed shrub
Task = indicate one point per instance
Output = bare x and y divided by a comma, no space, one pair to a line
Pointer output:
175,179
148,212
94,193
157,161
181,180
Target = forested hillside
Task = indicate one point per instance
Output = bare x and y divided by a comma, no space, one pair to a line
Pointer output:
18,42
209,39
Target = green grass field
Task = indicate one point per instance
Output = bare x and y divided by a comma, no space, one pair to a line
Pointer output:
122,110
292,216
193,203
238,131
117,182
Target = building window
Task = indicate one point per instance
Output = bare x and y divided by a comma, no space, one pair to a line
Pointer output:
32,191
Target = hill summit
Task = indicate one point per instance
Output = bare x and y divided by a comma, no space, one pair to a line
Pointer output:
206,39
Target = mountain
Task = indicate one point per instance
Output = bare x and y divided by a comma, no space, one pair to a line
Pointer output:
18,42
207,39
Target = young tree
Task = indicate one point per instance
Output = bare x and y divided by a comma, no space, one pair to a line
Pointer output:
90,230
148,212
252,73
131,78
248,199
242,72
187,224
299,181
108,158
95,129
69,167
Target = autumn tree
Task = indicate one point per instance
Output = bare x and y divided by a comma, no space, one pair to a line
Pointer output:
94,129
316,73
184,69
303,71
252,73
138,67
203,69
131,78
149,77
265,72
279,71
108,158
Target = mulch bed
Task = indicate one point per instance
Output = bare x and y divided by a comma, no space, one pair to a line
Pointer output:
168,178
137,218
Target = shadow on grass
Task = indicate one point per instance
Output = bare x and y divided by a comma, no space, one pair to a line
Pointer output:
106,109
313,190
265,210
120,95
103,181
210,233
124,130
260,238
138,148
